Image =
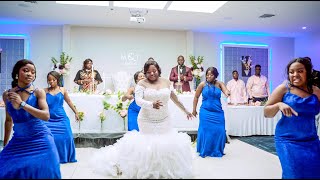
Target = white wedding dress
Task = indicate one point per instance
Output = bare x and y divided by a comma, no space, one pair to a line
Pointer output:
157,151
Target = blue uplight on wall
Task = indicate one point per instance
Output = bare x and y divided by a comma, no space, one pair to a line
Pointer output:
245,44
20,36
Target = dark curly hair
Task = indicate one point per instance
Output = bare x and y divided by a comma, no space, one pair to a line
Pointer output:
16,69
86,62
149,63
136,75
57,76
308,65
214,71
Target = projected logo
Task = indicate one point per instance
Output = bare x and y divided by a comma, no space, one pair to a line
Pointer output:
130,58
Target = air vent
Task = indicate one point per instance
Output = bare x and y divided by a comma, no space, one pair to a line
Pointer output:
266,16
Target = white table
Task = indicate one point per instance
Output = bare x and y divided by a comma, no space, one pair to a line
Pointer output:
92,105
249,120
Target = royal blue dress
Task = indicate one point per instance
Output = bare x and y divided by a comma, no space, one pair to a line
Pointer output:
31,153
296,140
59,124
211,132
133,112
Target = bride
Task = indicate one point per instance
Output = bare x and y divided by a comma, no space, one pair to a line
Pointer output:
157,151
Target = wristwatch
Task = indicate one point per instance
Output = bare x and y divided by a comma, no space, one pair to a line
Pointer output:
22,104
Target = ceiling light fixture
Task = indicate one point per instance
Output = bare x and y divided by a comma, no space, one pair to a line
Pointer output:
196,6
88,3
141,4
304,27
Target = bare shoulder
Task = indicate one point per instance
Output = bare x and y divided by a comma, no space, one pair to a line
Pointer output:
5,95
142,83
281,89
316,91
39,92
167,81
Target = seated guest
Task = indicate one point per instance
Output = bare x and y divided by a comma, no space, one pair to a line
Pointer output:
133,109
237,89
257,86
181,73
85,76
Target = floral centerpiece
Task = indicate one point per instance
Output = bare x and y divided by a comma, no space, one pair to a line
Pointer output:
120,108
62,66
197,69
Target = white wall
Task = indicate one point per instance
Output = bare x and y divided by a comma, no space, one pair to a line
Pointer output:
115,49
208,45
309,45
44,42
121,49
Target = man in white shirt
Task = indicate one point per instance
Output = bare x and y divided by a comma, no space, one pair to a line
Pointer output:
257,86
237,88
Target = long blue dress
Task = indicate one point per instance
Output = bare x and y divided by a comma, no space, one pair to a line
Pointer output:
133,112
296,140
59,124
211,132
31,153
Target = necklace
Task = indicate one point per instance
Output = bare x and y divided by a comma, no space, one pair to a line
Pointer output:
299,88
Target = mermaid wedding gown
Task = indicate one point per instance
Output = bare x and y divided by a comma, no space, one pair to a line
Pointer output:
157,151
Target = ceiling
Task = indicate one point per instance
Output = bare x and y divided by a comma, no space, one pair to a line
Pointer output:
235,17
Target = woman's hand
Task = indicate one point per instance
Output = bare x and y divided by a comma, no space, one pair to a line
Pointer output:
15,99
157,104
77,116
189,116
286,109
194,113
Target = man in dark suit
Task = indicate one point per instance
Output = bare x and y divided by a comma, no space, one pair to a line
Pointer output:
185,75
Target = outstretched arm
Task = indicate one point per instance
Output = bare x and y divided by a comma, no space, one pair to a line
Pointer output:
175,99
196,98
274,104
69,102
128,95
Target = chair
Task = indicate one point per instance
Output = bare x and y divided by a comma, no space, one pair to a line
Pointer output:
121,81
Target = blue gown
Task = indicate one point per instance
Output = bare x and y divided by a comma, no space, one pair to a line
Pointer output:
211,132
31,153
133,112
59,124
296,140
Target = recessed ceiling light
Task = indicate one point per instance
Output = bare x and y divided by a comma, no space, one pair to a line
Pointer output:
304,27
196,6
141,4
88,3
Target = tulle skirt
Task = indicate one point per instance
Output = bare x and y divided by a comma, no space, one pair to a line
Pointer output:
139,155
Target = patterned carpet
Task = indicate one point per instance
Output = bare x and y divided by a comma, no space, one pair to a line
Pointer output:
265,143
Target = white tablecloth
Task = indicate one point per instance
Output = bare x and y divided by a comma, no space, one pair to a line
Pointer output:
92,105
249,120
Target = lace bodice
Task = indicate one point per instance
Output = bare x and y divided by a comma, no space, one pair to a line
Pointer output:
146,96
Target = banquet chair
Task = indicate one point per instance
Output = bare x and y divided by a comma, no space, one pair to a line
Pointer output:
121,81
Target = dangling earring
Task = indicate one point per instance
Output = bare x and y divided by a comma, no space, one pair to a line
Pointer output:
16,76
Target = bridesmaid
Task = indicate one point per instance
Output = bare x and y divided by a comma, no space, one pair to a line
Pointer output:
296,139
59,122
133,109
211,132
31,153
